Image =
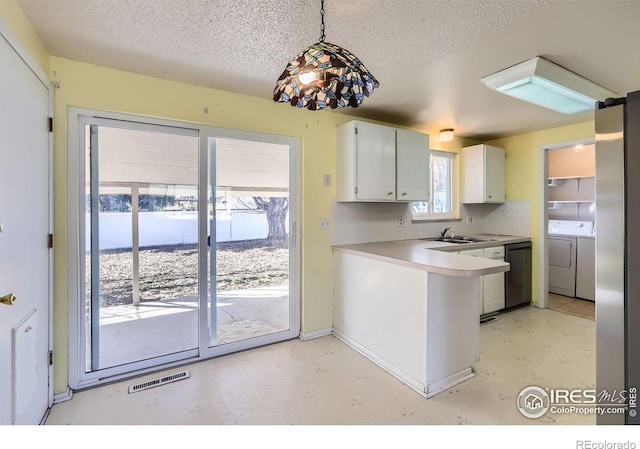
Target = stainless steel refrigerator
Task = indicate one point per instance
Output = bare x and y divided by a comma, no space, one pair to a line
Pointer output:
617,127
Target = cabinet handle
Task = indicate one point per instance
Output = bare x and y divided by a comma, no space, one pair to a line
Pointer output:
490,196
404,193
390,193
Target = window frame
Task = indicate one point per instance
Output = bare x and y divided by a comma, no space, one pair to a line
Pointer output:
438,216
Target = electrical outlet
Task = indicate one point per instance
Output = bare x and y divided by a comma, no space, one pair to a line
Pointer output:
324,224
326,180
469,219
402,222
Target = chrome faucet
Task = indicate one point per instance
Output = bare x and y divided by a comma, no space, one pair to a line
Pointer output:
443,234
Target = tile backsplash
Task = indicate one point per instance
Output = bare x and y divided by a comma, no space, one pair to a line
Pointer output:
378,222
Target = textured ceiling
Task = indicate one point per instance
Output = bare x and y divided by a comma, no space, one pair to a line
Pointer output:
428,55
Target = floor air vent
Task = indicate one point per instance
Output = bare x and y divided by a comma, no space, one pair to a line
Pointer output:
157,382
487,320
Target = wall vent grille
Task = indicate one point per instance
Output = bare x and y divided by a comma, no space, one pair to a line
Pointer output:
158,382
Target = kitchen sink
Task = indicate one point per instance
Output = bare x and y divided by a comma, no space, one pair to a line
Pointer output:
449,239
459,240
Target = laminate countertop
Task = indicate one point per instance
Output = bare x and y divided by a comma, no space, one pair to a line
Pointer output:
437,257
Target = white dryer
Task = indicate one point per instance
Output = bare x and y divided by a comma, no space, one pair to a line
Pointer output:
563,244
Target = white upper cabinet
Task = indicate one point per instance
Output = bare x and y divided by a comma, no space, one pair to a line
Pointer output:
367,170
483,174
412,166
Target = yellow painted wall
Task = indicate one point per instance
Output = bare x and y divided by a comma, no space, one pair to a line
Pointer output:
94,87
13,16
524,174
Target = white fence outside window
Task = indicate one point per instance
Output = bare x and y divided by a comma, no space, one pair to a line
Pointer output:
176,228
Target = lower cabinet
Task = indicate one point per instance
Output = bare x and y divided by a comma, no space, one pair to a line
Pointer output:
491,294
417,325
493,283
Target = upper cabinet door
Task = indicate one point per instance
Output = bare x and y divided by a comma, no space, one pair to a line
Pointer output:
366,162
412,166
375,162
483,174
494,175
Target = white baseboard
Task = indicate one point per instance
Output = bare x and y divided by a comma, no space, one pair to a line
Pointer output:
63,397
449,381
304,336
403,377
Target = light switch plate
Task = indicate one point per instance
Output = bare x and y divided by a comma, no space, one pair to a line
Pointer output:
324,224
326,180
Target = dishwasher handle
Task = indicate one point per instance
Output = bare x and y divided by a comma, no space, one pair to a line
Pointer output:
514,246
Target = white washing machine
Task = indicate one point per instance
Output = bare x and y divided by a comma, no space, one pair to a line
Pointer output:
563,244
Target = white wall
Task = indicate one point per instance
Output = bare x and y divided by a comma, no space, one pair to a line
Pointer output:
378,222
176,228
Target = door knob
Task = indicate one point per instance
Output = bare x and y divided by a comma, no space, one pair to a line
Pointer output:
8,299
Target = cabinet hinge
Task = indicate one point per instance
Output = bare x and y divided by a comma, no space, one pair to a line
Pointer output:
50,124
356,130
355,190
50,358
50,241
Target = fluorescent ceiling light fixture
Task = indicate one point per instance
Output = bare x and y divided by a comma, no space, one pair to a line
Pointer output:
546,84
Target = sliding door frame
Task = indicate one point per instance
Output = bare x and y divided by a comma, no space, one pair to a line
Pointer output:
207,135
78,378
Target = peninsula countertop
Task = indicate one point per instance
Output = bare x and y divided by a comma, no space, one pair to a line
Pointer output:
437,257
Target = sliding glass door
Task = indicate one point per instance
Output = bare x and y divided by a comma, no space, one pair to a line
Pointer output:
141,243
187,245
250,240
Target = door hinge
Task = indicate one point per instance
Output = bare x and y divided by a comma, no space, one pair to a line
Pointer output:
50,241
50,124
50,358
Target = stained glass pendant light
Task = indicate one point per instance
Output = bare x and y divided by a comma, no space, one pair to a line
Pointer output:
324,75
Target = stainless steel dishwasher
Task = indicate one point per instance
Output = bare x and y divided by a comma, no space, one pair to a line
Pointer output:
517,281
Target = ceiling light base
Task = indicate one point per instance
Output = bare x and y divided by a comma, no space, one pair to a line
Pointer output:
446,135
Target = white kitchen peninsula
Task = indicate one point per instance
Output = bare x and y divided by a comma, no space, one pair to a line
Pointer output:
411,309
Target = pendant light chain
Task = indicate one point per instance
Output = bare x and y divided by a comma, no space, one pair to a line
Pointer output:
322,36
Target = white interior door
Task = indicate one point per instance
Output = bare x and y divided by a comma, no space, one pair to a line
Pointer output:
25,223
